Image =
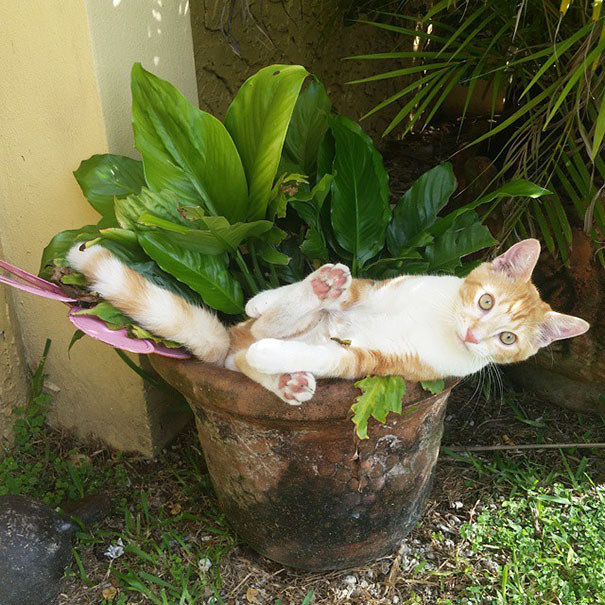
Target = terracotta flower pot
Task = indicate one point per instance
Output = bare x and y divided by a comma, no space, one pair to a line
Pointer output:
295,482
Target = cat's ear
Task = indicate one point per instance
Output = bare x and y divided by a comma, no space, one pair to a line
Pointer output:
519,260
557,326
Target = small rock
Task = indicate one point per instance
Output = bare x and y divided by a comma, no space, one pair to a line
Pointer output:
204,565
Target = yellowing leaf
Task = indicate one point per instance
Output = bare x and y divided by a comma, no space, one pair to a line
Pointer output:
380,395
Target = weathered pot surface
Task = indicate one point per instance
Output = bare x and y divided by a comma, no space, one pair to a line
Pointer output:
295,482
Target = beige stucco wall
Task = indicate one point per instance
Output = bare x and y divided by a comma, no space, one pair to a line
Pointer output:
13,373
311,33
51,119
156,33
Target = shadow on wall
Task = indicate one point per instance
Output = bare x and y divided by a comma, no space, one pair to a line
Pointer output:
232,39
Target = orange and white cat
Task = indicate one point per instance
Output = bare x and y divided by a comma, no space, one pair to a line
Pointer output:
422,327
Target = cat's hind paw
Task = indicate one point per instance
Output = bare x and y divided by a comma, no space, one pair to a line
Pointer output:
296,387
330,282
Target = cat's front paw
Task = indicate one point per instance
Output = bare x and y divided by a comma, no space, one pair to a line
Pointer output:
331,282
258,304
296,387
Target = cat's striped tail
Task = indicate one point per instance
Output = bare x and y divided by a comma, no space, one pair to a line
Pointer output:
160,311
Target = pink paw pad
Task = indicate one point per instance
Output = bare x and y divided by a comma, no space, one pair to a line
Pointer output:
331,282
296,387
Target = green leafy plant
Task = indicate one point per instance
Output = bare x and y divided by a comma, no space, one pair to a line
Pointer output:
219,211
539,68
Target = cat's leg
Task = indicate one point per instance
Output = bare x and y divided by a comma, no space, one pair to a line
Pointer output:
273,356
320,289
292,387
331,359
296,308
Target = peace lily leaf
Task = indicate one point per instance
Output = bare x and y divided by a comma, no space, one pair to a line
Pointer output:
123,236
360,208
466,235
258,119
314,246
418,208
62,243
105,177
308,204
307,129
208,275
270,254
132,254
380,395
138,332
433,386
164,204
283,191
185,149
114,318
215,235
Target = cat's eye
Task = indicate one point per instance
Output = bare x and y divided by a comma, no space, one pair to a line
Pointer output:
486,302
508,338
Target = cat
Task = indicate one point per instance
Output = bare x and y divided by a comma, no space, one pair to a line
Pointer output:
421,327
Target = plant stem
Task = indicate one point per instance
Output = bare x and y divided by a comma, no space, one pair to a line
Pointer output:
256,267
273,276
241,263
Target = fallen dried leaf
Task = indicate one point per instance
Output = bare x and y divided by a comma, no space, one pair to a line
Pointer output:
109,593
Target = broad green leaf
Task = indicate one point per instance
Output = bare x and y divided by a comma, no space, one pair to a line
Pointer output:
465,236
131,254
308,205
258,119
105,177
314,247
186,150
214,236
270,254
307,128
360,209
62,243
208,275
164,204
113,317
285,188
433,386
380,395
122,236
418,208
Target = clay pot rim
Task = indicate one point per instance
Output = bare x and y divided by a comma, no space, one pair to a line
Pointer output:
211,387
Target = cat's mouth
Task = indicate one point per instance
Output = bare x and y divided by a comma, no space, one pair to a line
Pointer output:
464,342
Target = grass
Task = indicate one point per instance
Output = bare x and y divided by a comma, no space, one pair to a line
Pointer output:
500,527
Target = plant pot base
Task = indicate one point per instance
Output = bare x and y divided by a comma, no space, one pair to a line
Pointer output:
295,482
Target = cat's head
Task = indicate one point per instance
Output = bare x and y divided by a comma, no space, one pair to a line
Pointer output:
501,317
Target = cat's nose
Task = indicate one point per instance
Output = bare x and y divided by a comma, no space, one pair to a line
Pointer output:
470,337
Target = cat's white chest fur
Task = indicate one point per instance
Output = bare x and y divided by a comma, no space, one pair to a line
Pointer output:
414,316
